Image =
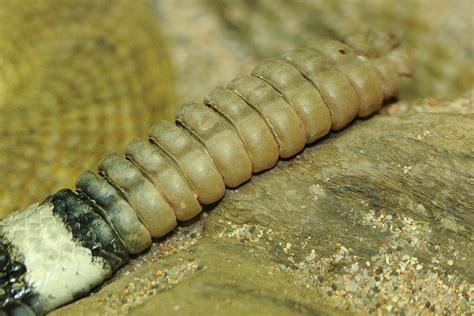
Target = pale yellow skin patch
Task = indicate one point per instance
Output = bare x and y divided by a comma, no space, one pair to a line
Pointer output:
362,77
220,139
287,127
336,90
166,176
150,205
254,132
387,74
402,61
300,94
191,157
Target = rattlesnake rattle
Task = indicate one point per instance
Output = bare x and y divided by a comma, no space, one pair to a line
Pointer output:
56,251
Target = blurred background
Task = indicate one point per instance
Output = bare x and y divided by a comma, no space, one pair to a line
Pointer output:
80,78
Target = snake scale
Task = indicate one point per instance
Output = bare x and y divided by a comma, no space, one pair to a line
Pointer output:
58,250
73,86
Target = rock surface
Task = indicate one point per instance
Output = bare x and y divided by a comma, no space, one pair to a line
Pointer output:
378,216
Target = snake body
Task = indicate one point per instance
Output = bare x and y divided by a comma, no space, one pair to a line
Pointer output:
60,249
78,79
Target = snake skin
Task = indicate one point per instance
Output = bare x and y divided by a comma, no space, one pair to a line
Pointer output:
15,294
87,227
59,266
78,78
